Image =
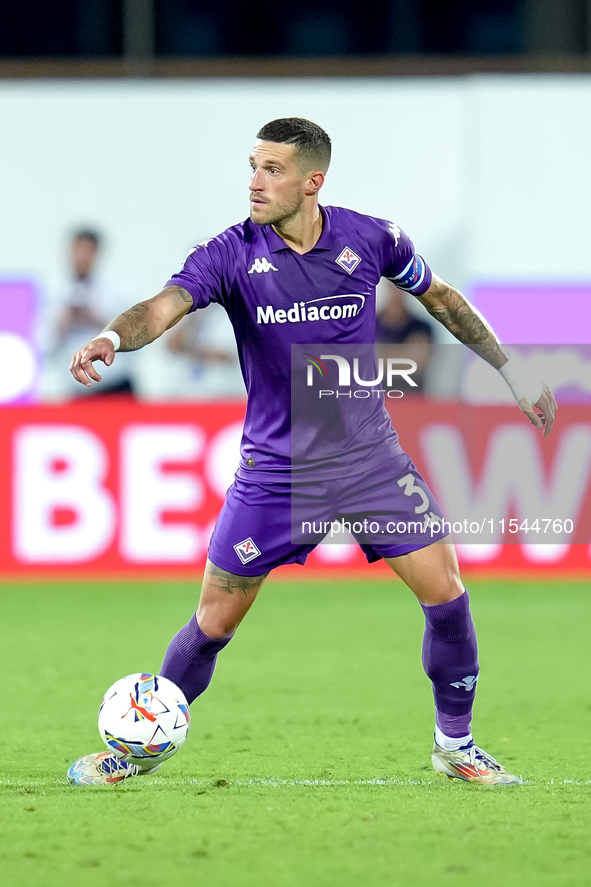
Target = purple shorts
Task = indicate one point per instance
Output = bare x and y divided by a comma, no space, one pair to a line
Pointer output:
389,511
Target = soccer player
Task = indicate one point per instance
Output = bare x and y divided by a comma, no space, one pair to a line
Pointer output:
294,273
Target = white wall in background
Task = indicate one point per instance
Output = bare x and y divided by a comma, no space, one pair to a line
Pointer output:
489,175
160,165
529,177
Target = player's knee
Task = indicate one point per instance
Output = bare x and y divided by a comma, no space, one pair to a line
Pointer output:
439,590
446,585
450,589
214,624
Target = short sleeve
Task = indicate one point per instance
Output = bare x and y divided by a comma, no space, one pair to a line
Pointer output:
202,273
402,265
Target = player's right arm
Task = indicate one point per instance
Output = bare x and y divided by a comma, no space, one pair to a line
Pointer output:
136,327
447,305
409,272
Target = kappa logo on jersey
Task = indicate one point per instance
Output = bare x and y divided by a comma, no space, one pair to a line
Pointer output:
182,265
348,260
395,232
261,266
190,253
468,683
247,550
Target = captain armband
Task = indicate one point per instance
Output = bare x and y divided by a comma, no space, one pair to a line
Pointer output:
416,275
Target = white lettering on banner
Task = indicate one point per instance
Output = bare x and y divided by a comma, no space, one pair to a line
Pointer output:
335,553
147,491
60,467
223,458
512,474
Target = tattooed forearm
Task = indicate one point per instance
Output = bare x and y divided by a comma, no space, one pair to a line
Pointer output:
136,341
144,322
132,327
447,305
230,582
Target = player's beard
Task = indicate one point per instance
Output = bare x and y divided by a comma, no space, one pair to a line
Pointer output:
279,213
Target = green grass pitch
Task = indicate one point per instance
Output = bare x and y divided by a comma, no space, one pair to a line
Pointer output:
308,762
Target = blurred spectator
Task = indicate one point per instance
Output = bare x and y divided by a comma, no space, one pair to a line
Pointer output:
401,334
81,307
203,357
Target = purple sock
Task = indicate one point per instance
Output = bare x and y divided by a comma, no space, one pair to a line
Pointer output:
450,659
190,659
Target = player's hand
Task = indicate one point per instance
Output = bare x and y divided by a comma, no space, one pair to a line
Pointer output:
82,367
543,412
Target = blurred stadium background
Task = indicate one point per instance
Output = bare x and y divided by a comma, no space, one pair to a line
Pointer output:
126,127
130,123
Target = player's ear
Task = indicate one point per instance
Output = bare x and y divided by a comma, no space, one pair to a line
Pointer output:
314,183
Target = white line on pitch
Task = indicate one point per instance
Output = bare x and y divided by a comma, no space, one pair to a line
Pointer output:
270,781
330,782
277,783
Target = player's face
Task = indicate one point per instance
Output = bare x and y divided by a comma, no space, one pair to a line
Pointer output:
278,185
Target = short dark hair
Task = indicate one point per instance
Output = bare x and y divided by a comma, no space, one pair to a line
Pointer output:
312,143
89,235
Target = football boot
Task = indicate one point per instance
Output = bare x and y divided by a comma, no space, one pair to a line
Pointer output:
104,768
471,764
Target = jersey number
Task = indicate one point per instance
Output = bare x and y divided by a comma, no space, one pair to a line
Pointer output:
410,487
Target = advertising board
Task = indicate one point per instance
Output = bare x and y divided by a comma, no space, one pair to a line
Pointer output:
114,487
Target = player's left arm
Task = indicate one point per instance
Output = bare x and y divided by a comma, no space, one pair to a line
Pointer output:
447,305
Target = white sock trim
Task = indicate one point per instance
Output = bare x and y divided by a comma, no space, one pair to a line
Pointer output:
449,743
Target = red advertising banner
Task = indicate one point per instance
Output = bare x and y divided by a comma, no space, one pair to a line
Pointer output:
114,487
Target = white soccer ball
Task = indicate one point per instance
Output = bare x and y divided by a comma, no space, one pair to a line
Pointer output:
144,719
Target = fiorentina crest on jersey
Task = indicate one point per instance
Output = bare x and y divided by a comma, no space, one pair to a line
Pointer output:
247,550
348,260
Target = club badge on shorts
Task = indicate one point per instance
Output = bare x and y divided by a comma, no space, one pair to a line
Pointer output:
247,550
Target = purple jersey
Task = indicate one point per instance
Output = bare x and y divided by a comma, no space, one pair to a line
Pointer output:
276,298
